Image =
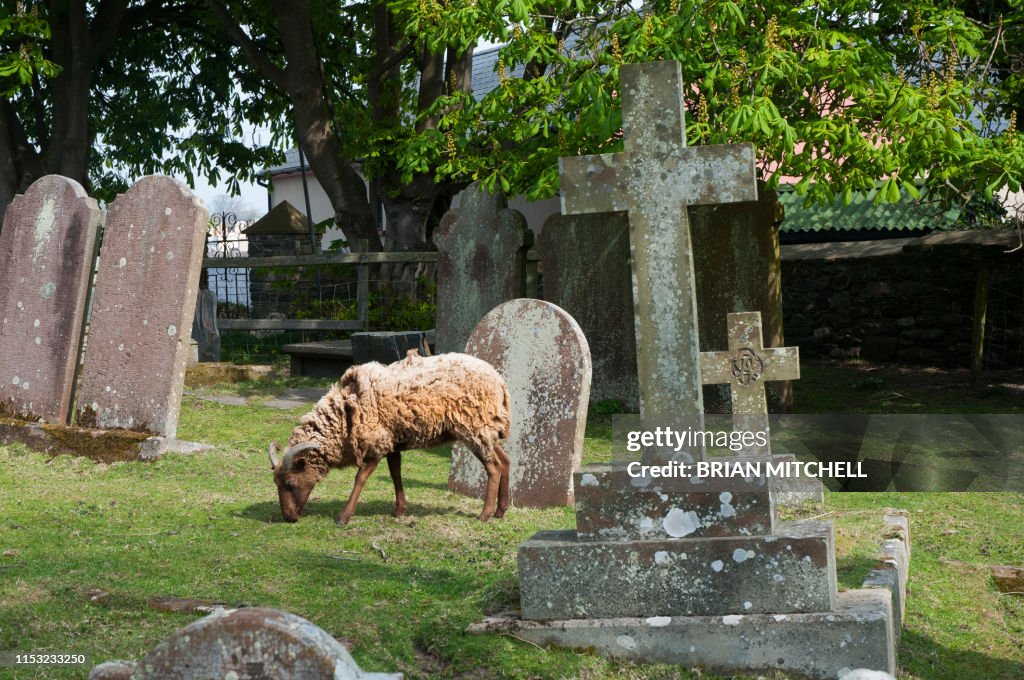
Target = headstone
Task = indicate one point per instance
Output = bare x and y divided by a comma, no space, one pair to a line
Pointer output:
46,256
543,356
737,261
745,368
687,570
244,643
481,263
204,326
134,369
586,272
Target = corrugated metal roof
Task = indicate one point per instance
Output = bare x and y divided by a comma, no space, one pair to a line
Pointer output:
906,215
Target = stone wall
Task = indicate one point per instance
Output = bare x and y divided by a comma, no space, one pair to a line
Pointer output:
905,300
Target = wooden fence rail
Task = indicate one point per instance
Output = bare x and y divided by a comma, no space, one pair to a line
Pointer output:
363,261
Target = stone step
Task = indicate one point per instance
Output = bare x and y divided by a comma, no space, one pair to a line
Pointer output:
563,577
856,633
613,505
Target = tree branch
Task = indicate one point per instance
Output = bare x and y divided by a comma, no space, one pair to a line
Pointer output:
252,52
105,26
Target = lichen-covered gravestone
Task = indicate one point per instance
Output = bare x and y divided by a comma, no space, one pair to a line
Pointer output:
543,355
142,310
46,254
481,263
244,643
585,260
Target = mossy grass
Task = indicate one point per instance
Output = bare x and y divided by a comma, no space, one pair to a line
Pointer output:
401,592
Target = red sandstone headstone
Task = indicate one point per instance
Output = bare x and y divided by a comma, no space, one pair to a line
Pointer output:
142,311
46,255
544,357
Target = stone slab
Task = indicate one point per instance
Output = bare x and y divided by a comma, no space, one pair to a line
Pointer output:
481,263
544,358
204,327
103,446
248,643
562,577
738,269
796,490
214,372
47,248
134,368
612,505
387,346
857,633
585,259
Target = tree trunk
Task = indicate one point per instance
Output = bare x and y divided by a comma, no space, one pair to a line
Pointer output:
305,88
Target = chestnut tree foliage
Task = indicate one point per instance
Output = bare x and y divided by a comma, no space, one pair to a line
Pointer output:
844,95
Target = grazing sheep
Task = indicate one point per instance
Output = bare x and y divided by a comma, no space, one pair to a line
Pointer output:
378,411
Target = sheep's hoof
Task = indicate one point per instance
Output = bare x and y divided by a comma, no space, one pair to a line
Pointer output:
342,521
399,512
498,514
484,516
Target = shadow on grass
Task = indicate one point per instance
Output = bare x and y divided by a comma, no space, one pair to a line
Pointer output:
926,658
270,512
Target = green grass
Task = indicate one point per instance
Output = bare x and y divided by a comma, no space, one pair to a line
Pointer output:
207,526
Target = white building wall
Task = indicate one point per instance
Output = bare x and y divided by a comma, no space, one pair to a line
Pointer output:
288,187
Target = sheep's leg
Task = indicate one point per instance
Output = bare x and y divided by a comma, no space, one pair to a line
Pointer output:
350,507
395,468
493,469
504,498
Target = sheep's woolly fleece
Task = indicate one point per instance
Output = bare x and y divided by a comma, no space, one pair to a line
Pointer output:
413,403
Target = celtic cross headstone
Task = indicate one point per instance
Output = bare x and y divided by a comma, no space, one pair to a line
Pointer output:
745,367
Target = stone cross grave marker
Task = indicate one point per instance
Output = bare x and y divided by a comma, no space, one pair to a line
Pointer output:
143,307
481,263
543,355
654,180
46,254
745,367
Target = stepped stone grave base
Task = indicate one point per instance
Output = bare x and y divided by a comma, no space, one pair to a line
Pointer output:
793,570
857,633
103,446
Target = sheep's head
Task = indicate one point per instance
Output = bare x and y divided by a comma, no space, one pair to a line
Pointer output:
294,478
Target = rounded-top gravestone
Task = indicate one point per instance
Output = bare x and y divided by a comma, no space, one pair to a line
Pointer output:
543,356
245,643
46,254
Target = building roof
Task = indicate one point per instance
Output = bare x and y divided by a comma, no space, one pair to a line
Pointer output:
906,215
283,218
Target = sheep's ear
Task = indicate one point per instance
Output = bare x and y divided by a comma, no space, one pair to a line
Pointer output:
298,464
